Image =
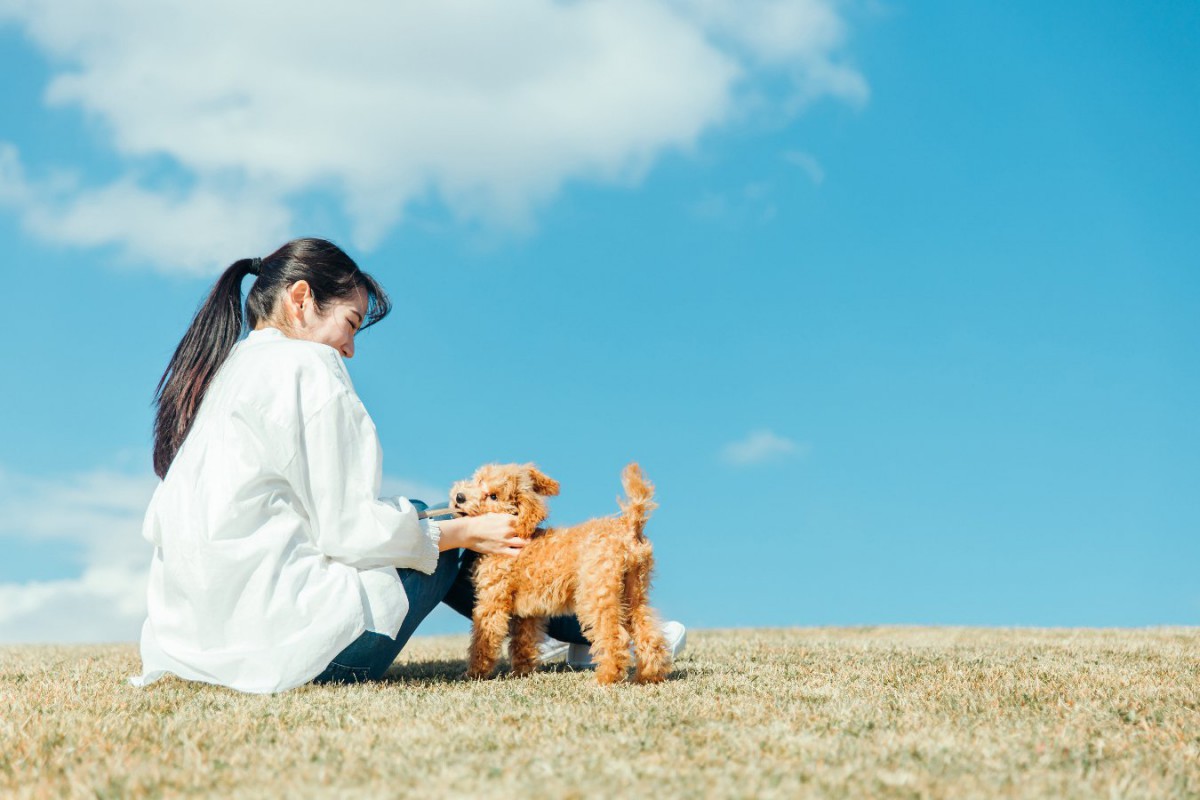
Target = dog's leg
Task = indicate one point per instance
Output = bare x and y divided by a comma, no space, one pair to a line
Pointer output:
653,659
488,629
523,646
599,602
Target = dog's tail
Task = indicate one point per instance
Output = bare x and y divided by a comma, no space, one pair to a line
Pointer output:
636,510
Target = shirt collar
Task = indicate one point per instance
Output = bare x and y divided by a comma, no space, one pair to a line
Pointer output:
265,334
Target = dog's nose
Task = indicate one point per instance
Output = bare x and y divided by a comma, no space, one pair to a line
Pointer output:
460,498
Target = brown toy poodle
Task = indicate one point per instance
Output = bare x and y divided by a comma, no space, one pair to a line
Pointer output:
599,570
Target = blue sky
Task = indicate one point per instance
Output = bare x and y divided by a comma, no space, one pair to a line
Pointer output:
896,303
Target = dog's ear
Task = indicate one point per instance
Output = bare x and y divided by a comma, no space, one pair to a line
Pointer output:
543,484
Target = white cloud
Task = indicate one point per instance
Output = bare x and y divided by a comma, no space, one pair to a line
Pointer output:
802,37
99,513
808,163
173,229
752,204
760,446
13,190
489,108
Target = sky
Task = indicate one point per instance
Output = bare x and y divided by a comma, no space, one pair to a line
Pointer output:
896,303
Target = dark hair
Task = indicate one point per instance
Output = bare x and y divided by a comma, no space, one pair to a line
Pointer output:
330,273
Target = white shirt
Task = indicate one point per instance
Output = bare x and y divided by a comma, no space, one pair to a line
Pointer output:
271,549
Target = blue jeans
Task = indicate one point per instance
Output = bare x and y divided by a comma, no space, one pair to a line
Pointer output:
368,657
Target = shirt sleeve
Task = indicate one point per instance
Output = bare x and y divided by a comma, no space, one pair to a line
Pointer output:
341,463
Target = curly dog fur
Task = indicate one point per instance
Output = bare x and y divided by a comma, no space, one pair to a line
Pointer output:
598,570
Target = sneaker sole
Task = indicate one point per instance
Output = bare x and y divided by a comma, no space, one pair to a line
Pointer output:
577,660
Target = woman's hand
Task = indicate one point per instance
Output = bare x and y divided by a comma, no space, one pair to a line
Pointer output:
487,533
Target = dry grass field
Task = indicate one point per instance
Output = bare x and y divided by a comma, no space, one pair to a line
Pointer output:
884,712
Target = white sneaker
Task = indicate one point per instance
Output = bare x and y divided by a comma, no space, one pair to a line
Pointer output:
579,656
552,651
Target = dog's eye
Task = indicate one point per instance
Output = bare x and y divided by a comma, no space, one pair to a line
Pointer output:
492,496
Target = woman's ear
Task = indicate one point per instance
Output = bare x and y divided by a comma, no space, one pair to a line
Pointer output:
299,300
543,484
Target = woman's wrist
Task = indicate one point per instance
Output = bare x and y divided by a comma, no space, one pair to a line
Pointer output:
453,533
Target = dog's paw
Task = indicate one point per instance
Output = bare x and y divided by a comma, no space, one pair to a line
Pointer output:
523,669
608,676
650,677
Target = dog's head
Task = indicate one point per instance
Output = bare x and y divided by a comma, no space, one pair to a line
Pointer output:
517,489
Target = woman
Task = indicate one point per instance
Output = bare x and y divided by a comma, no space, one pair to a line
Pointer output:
275,562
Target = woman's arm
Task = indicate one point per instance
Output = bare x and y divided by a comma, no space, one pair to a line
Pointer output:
341,464
488,533
338,470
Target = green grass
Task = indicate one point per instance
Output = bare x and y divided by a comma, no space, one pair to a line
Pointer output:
884,712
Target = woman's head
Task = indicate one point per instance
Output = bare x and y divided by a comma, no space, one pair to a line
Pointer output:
308,288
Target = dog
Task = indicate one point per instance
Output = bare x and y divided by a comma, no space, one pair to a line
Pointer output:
599,570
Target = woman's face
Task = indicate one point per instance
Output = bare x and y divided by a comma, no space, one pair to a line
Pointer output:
334,326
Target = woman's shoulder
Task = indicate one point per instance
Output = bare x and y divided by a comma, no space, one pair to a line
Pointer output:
268,358
271,346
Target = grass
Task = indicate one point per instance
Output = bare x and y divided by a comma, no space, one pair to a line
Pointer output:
883,712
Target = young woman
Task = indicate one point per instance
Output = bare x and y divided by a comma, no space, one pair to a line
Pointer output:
275,561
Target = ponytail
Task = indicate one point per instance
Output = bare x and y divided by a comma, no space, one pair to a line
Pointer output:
204,348
330,274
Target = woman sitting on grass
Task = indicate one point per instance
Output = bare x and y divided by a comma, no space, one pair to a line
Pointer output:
276,563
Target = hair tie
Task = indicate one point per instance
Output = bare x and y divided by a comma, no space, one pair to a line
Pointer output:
255,266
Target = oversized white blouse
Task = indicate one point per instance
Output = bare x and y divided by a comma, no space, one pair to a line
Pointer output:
272,551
